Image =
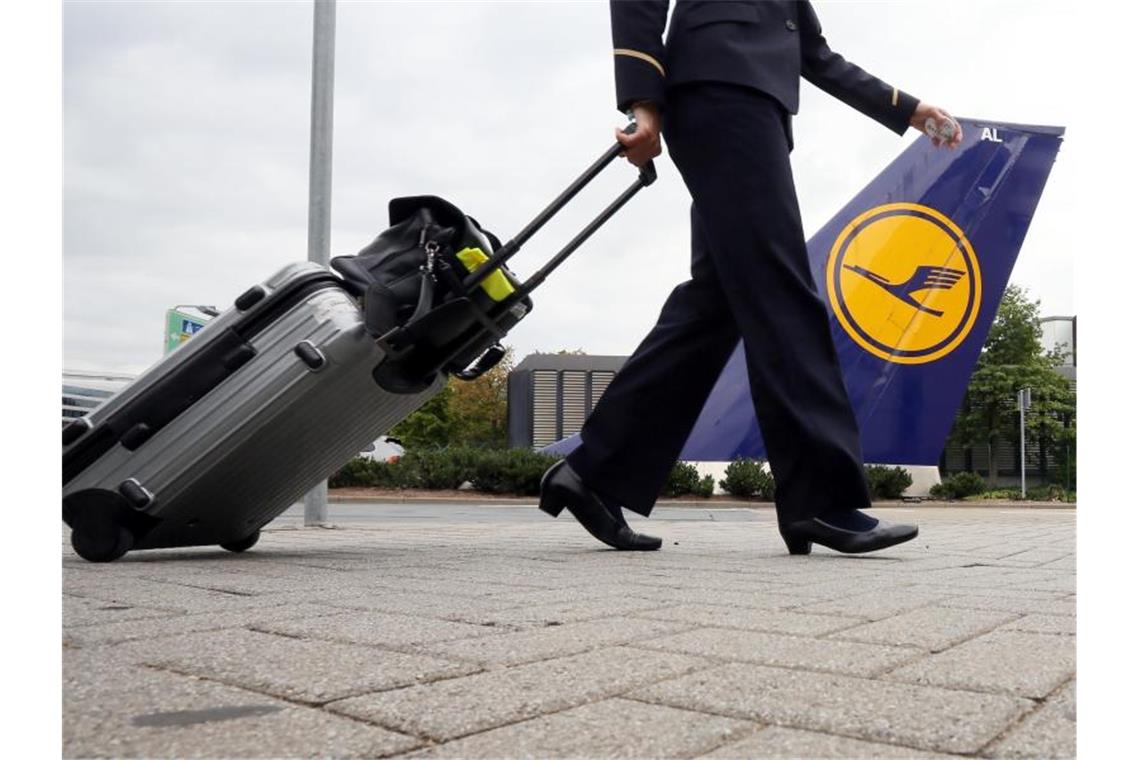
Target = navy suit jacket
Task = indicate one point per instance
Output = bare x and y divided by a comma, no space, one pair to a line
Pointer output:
763,44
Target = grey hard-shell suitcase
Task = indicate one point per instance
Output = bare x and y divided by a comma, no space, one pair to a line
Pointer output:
270,398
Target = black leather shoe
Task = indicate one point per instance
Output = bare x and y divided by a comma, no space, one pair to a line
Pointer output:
561,488
800,535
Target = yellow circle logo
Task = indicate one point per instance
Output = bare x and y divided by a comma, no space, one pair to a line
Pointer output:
904,283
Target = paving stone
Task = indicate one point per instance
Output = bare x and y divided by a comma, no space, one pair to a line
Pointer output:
460,706
589,608
1022,605
248,584
1039,557
1051,731
1068,562
1006,662
875,605
124,711
373,628
756,598
841,587
176,624
551,641
610,728
891,713
79,611
1056,582
978,592
784,651
580,590
776,741
458,586
308,671
973,575
135,592
1058,624
457,608
931,628
489,582
774,621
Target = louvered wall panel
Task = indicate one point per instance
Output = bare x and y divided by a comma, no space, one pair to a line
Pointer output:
599,381
573,402
545,407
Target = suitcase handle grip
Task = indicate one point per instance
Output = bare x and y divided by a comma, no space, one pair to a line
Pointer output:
646,177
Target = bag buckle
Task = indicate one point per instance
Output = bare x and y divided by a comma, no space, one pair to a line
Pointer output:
389,344
431,249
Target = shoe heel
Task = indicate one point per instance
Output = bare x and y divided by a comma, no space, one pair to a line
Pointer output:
546,499
796,545
549,505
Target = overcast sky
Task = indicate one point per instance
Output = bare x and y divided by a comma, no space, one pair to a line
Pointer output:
186,147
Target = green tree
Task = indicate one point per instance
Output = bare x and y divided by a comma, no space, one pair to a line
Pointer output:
430,426
465,413
1011,359
478,408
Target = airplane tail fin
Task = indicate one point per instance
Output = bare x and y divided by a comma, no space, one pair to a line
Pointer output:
912,270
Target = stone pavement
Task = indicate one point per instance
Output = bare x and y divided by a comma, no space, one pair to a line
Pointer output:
521,637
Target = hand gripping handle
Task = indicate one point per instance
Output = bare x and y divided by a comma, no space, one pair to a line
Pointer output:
647,175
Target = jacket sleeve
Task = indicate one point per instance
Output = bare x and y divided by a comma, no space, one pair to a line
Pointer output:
639,73
841,79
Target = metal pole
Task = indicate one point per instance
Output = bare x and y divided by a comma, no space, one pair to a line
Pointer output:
1021,404
320,180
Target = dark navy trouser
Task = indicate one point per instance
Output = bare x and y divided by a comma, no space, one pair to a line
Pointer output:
750,280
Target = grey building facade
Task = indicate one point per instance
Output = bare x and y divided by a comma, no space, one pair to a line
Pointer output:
549,396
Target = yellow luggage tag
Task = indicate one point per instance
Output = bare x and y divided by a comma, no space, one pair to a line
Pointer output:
496,284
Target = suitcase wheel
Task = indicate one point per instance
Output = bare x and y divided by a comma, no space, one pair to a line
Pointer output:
242,543
105,545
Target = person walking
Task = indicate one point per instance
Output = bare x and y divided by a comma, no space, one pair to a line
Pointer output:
724,86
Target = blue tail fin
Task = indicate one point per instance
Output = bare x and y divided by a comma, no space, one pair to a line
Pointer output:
912,271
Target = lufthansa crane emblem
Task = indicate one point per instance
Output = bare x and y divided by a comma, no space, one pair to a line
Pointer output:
904,283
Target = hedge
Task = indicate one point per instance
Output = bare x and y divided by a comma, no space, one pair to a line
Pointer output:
959,486
887,482
685,480
500,471
510,471
747,478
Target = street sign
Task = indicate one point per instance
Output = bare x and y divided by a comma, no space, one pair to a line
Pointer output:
180,327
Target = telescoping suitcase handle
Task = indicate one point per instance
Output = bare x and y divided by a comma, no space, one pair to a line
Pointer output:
646,177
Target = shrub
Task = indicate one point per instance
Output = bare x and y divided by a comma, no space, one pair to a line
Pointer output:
1004,494
683,480
887,482
747,478
1051,492
440,469
959,486
357,472
513,471
705,488
362,472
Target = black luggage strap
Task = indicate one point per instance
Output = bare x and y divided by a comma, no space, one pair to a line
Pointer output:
398,340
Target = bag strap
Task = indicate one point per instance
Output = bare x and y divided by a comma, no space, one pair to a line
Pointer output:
380,303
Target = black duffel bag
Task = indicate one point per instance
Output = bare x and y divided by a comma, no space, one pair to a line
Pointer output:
410,280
